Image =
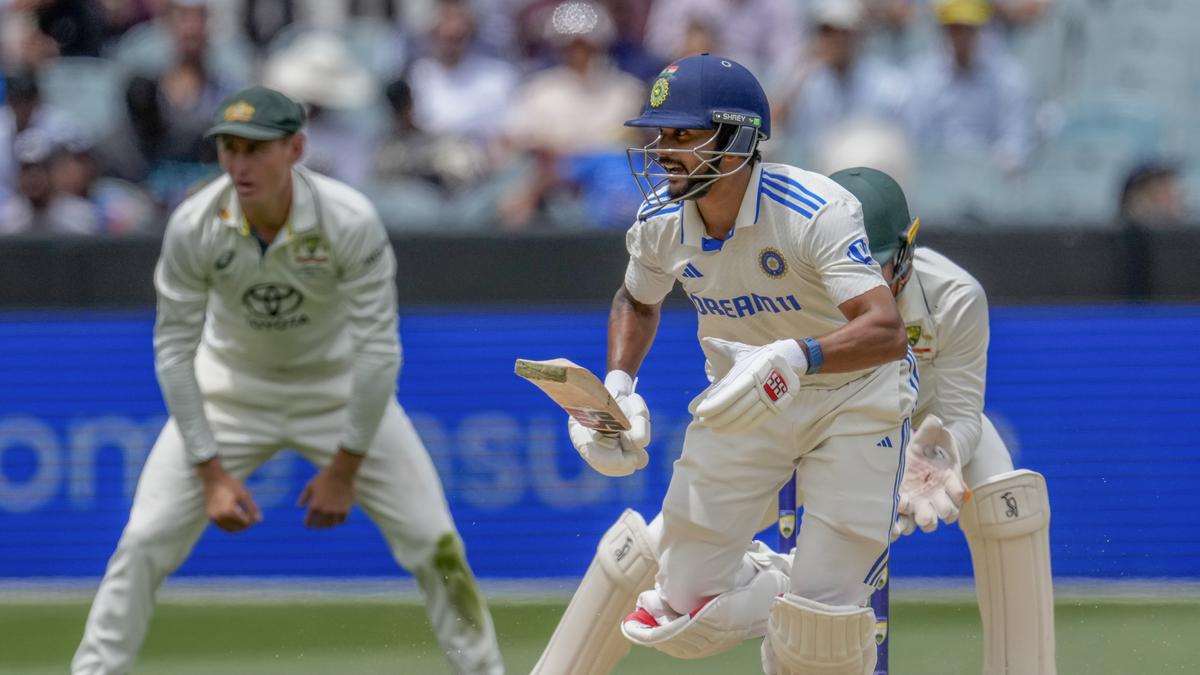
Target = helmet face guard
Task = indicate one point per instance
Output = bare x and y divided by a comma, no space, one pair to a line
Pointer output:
653,179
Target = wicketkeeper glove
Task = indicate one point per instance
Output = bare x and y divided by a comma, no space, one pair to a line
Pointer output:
933,487
621,453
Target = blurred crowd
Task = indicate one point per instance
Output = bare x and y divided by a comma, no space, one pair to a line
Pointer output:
506,115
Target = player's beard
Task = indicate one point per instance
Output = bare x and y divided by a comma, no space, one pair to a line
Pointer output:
701,182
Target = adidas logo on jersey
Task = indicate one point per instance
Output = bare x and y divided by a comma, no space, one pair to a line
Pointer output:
885,443
691,272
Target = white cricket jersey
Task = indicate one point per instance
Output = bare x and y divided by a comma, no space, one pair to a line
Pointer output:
320,299
946,315
797,251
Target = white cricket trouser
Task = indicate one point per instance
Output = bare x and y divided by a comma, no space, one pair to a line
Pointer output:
252,419
847,444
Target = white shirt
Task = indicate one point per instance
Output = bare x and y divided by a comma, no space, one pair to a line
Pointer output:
797,251
946,314
465,99
320,299
569,112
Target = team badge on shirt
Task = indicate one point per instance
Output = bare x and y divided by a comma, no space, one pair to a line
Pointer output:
772,263
312,250
914,334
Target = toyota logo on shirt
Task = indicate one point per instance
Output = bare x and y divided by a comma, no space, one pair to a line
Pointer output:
269,301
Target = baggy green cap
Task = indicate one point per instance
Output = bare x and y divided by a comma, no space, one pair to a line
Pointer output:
257,113
885,210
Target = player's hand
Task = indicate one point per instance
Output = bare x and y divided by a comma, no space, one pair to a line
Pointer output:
759,383
622,453
330,493
933,487
227,502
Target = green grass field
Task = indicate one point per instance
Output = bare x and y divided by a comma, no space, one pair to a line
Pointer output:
372,637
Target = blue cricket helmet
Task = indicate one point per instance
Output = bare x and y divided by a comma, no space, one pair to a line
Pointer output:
701,92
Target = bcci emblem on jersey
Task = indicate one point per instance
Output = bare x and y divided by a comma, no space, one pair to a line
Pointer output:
772,263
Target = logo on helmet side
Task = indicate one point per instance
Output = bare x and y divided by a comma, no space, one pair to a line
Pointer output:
659,92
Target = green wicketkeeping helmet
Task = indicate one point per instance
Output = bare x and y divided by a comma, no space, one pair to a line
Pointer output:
890,229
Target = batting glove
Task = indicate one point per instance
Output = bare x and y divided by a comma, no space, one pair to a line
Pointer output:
760,383
933,487
621,453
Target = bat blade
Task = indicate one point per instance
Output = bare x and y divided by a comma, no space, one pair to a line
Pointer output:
577,391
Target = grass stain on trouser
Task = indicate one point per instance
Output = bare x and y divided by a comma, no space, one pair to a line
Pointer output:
458,611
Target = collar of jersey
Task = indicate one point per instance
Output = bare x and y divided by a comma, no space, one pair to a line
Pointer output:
302,218
691,225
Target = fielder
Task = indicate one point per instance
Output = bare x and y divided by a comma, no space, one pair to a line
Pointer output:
809,368
1007,522
276,328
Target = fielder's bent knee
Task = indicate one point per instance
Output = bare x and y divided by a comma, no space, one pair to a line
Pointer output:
449,562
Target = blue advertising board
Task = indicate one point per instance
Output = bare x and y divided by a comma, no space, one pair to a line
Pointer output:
1102,400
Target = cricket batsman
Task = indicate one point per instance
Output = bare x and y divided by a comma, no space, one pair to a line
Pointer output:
1007,521
276,328
809,370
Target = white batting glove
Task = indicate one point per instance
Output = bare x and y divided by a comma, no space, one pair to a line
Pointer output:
761,382
621,453
933,487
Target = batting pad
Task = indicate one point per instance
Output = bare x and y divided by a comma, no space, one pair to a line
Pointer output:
806,637
1007,524
588,638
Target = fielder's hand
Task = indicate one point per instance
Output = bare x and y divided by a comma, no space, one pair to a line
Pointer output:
330,493
933,485
622,453
227,502
760,382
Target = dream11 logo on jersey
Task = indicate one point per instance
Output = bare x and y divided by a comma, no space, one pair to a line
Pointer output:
273,307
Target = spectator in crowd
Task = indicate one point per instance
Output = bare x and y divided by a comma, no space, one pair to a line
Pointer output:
570,120
836,82
1151,199
968,98
161,140
22,111
318,70
119,207
74,26
37,206
184,33
627,48
455,88
755,33
407,151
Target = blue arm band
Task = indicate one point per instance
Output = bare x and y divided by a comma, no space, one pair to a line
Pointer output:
816,358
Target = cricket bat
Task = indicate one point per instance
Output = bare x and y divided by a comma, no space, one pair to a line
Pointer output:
578,391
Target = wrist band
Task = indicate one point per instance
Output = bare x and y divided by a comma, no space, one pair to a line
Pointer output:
816,358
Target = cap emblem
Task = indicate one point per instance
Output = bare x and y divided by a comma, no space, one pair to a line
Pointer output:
658,93
239,112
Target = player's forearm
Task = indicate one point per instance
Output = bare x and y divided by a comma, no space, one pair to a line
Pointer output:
631,330
374,386
873,337
185,403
